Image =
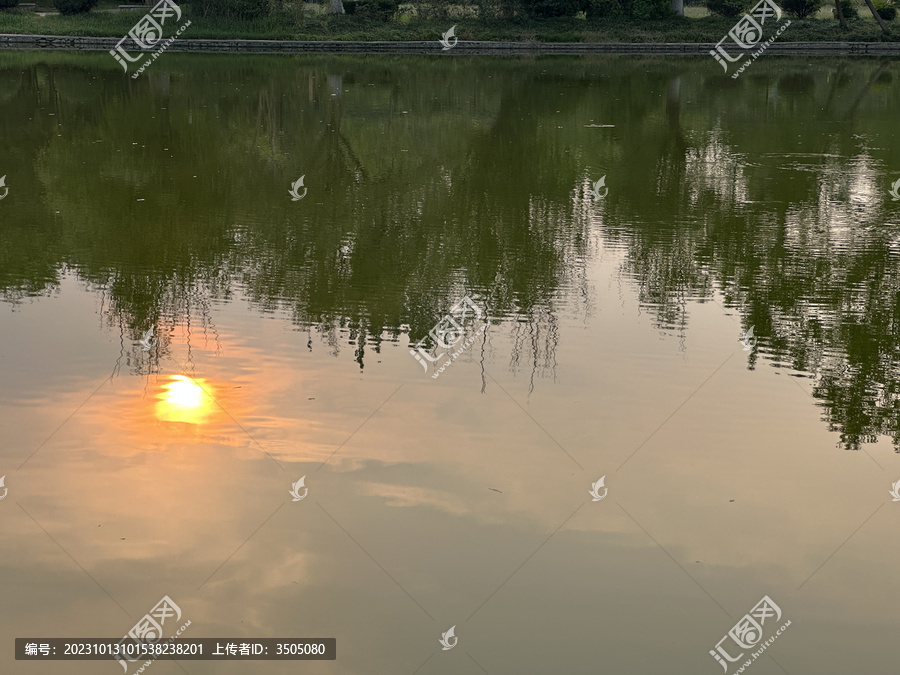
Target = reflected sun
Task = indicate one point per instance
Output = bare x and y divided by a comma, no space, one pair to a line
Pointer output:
184,393
184,399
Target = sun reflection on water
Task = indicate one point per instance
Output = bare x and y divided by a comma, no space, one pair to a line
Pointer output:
185,399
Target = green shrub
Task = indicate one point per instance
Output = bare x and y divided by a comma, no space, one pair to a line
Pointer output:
651,9
886,9
233,9
609,8
643,10
848,9
74,6
373,9
293,13
726,7
802,8
7,4
546,9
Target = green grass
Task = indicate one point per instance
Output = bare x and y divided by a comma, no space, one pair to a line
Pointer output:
696,27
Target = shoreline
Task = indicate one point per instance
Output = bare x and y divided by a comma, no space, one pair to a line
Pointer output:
13,42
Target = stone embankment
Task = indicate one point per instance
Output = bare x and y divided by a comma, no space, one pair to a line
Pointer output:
56,42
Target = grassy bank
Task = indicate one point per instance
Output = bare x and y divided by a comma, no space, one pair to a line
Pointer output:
320,26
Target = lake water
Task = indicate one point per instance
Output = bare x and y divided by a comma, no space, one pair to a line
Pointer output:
619,225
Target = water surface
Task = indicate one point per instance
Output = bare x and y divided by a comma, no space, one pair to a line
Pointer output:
609,347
